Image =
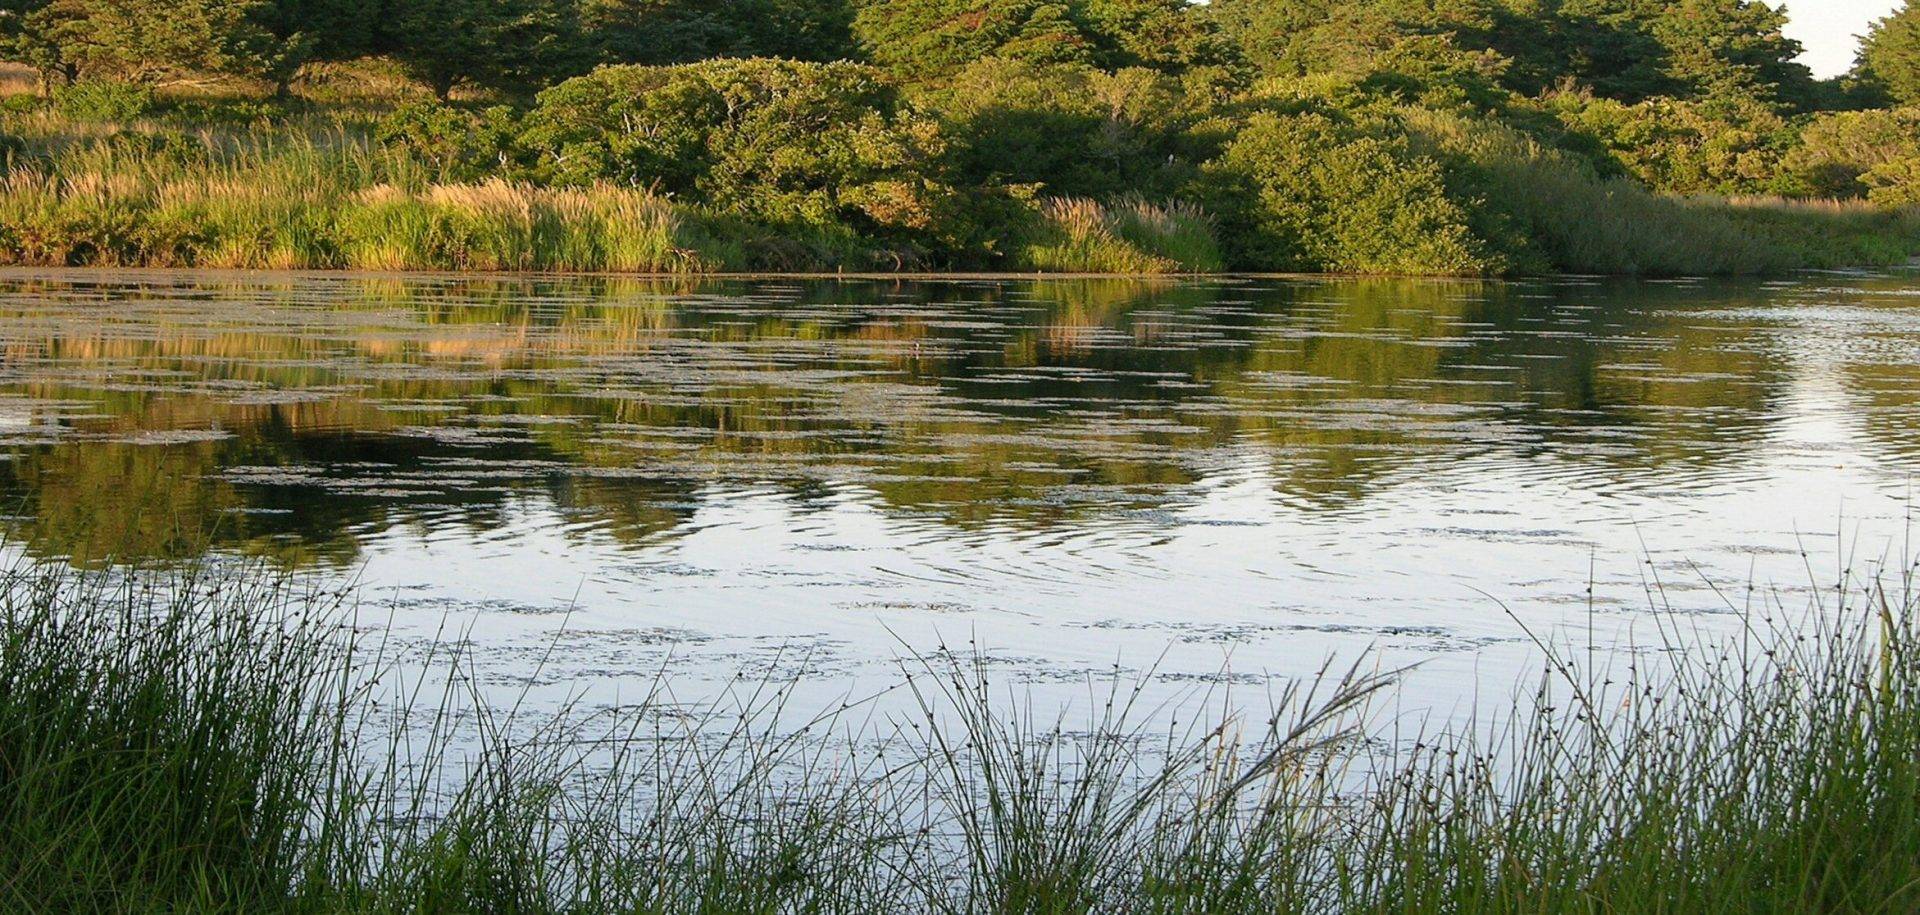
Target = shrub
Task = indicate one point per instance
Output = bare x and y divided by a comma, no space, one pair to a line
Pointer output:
772,140
1320,191
1562,216
1727,147
454,143
1861,153
1068,130
100,100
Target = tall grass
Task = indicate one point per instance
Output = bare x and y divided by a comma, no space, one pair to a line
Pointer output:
1552,211
1131,236
315,200
286,190
217,743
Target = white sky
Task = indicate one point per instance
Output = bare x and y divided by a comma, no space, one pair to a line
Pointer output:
1831,28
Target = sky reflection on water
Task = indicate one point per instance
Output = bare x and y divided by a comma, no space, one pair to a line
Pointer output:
725,475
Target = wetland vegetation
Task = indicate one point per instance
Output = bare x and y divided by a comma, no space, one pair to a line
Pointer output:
220,742
1115,136
248,735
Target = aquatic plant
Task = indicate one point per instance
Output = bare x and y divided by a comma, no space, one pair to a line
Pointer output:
1133,236
225,742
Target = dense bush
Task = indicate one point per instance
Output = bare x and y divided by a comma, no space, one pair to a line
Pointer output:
772,140
1728,147
100,100
1875,154
1323,192
457,144
1069,130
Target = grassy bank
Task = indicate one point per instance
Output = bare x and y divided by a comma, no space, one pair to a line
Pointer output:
323,194
220,744
192,188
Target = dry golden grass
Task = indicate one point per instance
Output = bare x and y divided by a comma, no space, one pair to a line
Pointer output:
18,79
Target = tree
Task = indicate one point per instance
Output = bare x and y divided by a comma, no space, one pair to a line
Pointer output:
1890,56
926,39
1603,46
143,40
1064,129
483,43
684,31
1298,37
1166,35
1874,153
1731,48
331,29
776,141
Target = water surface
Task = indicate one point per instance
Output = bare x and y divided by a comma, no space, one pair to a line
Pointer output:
1199,482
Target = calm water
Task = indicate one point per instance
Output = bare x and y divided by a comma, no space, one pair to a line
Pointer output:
1197,481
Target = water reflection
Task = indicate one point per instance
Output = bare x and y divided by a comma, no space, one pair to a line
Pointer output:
1221,480
158,416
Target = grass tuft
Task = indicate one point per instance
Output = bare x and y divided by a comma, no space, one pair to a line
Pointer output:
222,743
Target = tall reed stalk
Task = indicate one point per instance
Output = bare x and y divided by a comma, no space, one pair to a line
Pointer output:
224,743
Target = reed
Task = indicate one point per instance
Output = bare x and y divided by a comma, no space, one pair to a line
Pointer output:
1131,236
223,742
1554,214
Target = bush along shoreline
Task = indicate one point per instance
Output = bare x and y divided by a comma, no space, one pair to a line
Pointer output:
223,742
1408,137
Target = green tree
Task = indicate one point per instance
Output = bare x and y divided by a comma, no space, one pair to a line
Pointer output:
143,40
1322,191
1873,154
1167,35
926,39
777,141
482,43
1731,48
331,29
1603,46
684,31
1065,129
1890,56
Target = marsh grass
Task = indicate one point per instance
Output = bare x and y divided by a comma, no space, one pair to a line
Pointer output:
224,743
248,184
1131,236
323,199
1553,213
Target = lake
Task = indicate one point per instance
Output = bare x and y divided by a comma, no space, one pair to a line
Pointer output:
1200,484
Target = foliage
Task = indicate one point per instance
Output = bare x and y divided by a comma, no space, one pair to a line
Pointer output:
454,143
1890,55
480,43
1321,191
101,100
923,39
771,140
142,40
1732,49
1873,153
1550,210
1069,130
810,133
685,31
1730,147
222,742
